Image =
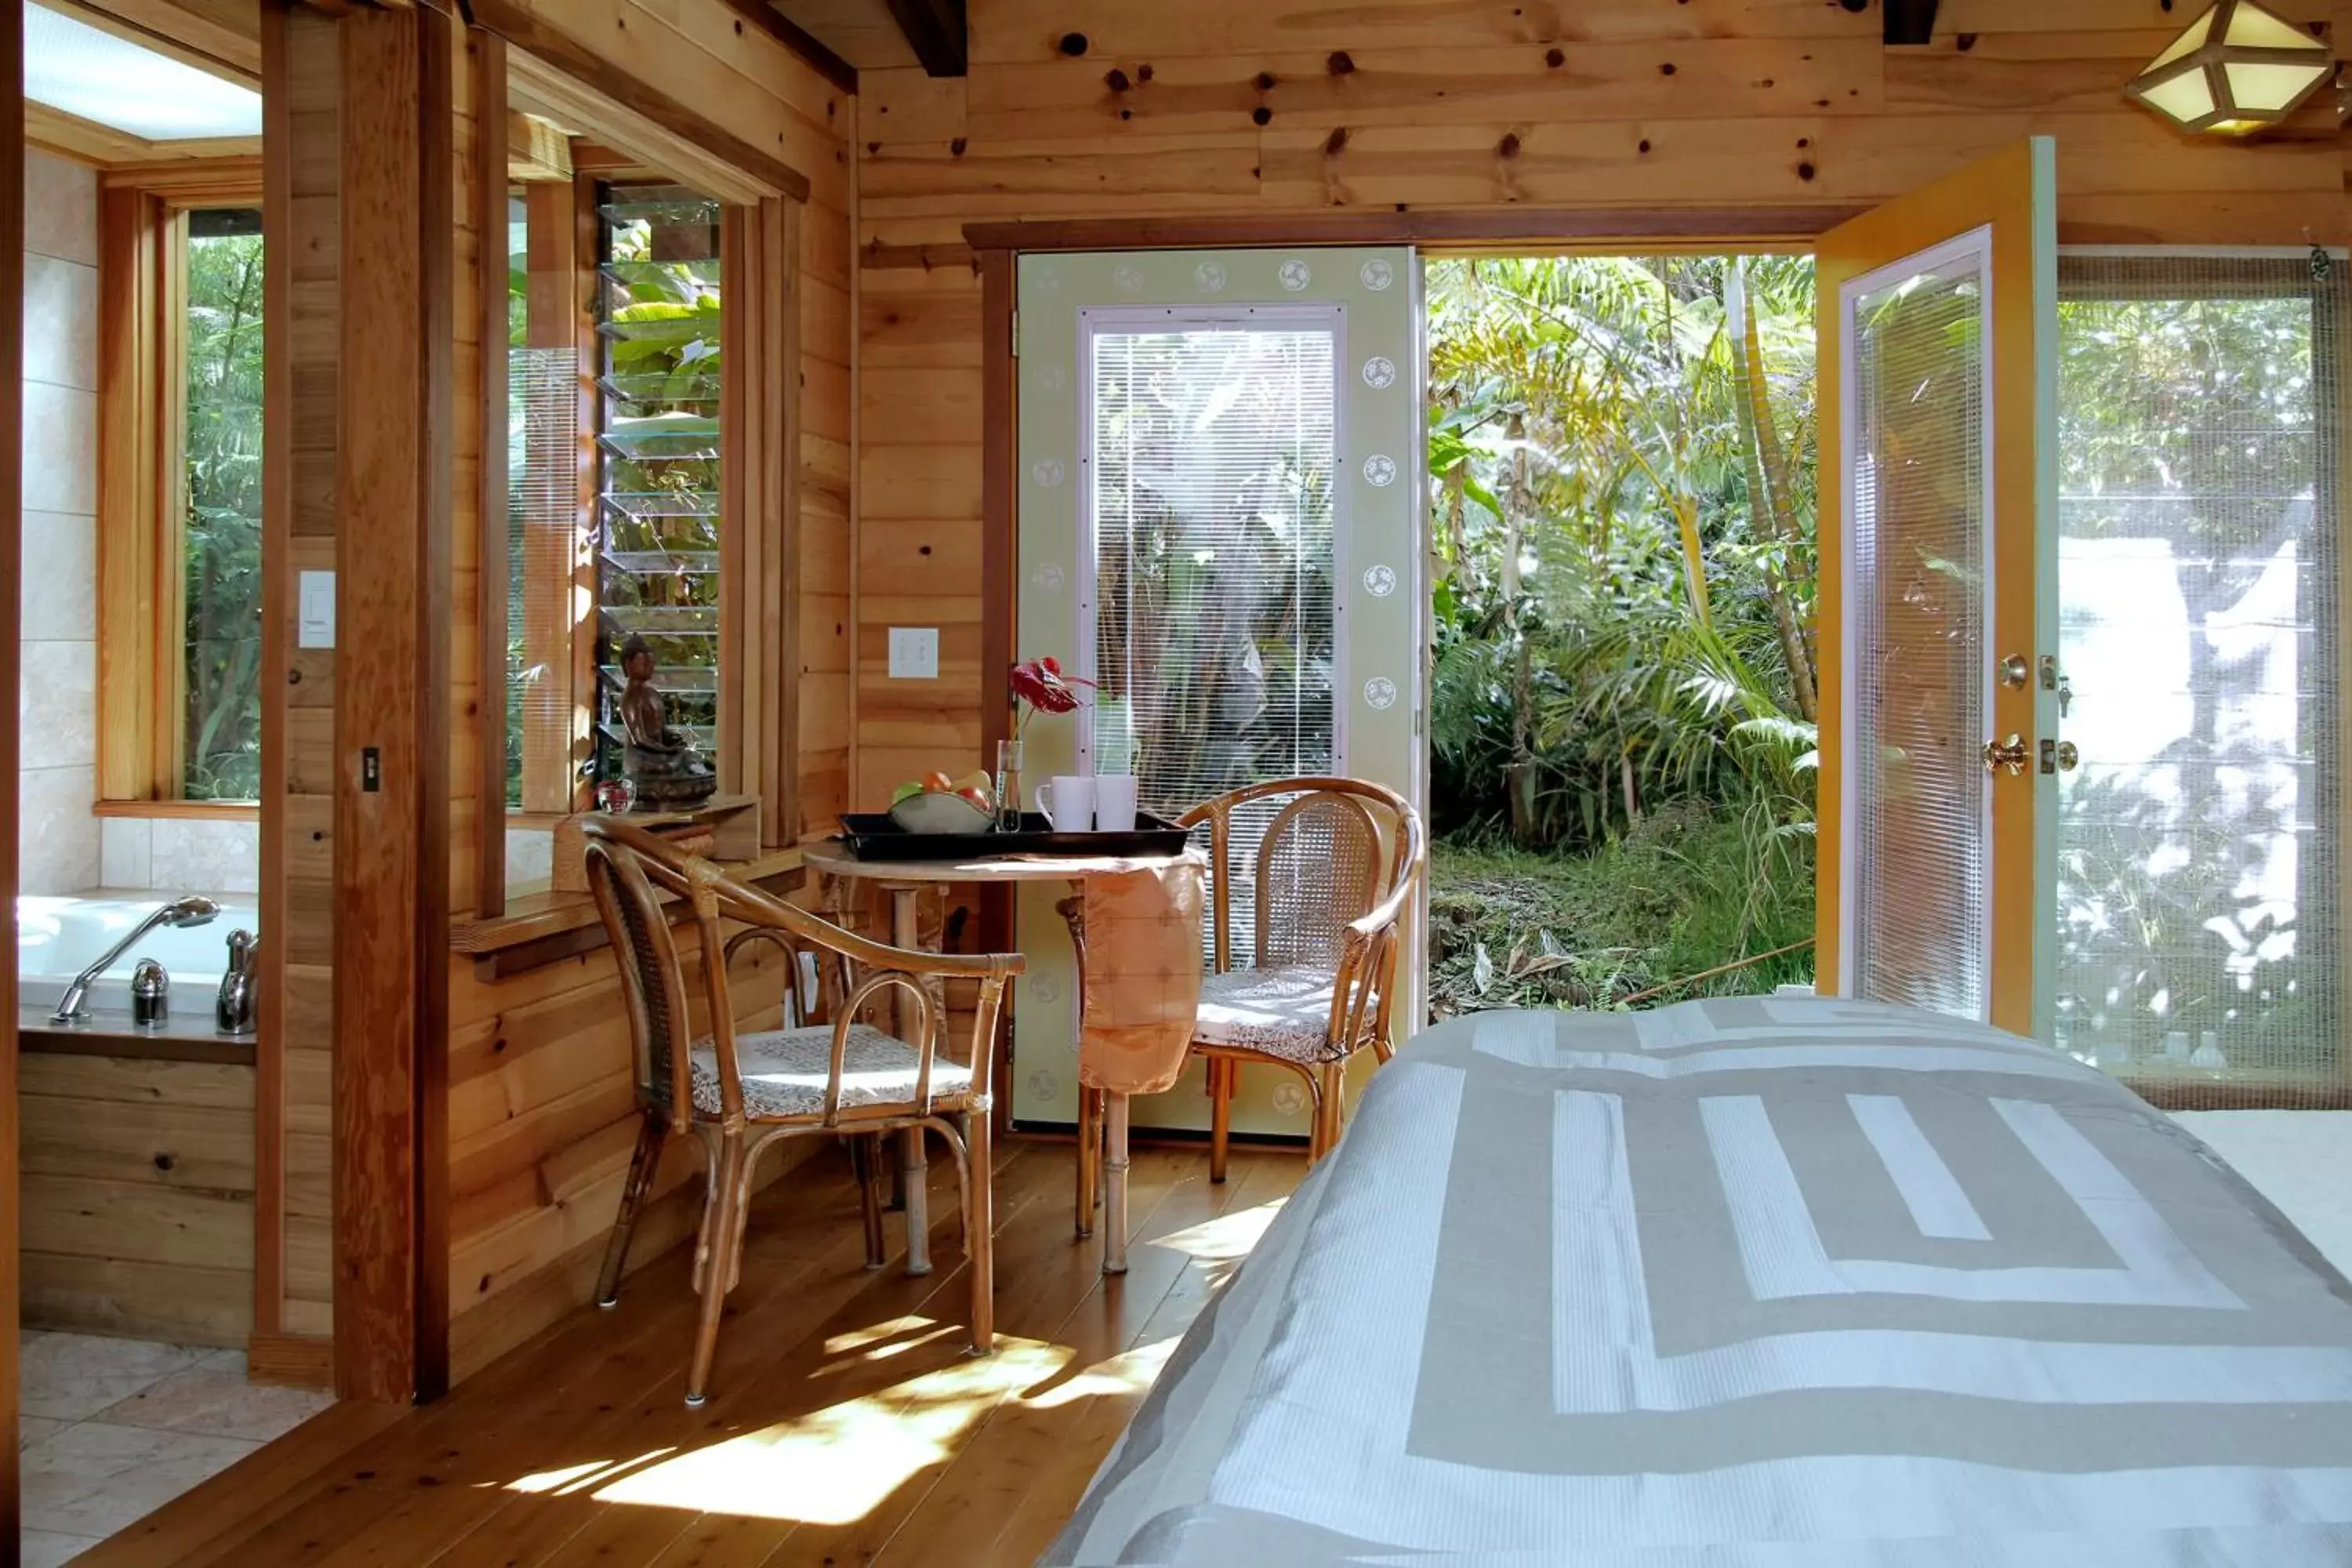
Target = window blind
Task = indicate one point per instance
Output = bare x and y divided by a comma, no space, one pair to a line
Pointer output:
1922,871
1211,456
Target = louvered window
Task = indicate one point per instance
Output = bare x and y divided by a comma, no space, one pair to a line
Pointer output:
1212,449
659,522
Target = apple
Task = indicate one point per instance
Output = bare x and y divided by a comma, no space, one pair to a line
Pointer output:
905,792
978,799
936,783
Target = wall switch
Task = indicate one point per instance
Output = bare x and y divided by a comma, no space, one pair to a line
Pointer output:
315,610
914,653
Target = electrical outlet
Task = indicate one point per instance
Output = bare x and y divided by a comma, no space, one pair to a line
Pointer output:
914,653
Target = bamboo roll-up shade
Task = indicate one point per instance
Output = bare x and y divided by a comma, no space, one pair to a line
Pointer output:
2200,916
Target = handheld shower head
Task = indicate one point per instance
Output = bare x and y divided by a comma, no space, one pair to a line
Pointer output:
195,909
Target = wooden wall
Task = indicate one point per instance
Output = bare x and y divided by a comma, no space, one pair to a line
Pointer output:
540,1074
1221,108
137,1182
295,1055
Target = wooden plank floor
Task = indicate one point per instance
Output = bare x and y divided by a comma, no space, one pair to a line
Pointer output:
845,1423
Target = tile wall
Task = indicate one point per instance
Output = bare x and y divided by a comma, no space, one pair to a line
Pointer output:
57,705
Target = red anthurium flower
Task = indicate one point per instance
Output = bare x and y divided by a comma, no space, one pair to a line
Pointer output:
1040,687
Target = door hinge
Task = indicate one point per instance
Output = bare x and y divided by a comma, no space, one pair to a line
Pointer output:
1016,329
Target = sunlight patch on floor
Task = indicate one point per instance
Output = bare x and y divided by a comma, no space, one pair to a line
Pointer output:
1228,1238
836,1465
1129,1373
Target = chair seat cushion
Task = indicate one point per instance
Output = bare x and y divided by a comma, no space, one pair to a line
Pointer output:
784,1071
1284,1011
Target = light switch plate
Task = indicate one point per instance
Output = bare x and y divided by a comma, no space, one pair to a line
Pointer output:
914,653
315,610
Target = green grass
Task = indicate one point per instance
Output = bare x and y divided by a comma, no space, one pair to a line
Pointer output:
1685,891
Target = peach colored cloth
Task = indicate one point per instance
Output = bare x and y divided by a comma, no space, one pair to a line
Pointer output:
1143,976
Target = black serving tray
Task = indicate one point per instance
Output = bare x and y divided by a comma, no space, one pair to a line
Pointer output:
872,836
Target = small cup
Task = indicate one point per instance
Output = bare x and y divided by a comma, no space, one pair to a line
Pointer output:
1068,801
1114,803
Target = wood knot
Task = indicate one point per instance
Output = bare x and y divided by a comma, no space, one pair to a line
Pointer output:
1667,69
1143,71
1337,143
1073,44
1804,170
1508,147
1261,115
165,1159
1340,63
1555,58
1116,80
956,147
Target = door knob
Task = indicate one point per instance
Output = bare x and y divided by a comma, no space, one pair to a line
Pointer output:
2011,753
2067,756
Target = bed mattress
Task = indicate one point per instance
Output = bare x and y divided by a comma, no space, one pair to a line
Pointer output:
1760,1282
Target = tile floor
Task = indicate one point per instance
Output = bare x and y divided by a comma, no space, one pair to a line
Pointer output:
111,1429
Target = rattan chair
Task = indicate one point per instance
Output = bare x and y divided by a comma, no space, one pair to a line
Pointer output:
739,1092
1336,866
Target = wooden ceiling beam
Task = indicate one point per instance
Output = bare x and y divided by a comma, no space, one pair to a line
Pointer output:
799,40
935,29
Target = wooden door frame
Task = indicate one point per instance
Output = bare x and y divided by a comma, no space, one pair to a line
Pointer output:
12,397
994,250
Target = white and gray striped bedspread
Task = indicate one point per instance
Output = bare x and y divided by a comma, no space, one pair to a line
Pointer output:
1753,1283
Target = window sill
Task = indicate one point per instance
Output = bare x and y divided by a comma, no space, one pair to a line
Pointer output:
539,929
180,810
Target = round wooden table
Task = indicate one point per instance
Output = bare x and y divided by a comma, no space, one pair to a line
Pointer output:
905,880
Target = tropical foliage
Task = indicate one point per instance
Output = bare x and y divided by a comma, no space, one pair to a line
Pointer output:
223,734
1621,459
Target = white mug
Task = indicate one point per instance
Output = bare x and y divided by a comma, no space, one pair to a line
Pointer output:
1114,803
1068,802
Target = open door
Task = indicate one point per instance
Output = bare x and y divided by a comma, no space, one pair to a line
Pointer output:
1938,603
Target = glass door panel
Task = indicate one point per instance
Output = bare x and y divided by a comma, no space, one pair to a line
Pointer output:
1939,744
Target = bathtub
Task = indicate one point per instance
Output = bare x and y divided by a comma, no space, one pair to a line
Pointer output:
56,938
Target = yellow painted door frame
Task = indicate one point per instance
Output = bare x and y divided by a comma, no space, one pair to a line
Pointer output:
2008,197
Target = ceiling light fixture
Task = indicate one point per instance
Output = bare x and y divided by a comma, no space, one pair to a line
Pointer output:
2236,69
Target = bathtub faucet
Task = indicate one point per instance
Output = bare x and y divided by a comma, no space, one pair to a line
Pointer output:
196,910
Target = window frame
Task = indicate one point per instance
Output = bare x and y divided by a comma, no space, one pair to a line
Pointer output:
142,336
758,749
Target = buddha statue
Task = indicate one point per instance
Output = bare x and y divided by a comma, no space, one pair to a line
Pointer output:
669,774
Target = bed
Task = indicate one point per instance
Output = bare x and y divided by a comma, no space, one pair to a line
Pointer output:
1756,1282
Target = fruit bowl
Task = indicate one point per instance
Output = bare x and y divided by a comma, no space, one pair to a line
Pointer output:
939,812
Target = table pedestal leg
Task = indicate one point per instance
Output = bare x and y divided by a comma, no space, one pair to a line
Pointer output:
918,1202
914,1193
1115,1186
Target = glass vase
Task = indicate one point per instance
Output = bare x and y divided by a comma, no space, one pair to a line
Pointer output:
1008,786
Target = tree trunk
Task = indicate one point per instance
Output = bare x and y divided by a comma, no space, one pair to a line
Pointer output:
1519,775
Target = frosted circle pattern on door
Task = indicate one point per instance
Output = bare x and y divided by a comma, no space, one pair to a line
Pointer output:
1049,575
1380,582
1052,378
1043,1084
1379,371
1129,279
1048,472
1289,1100
1209,277
1377,275
1046,988
1295,274
1379,470
1381,692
